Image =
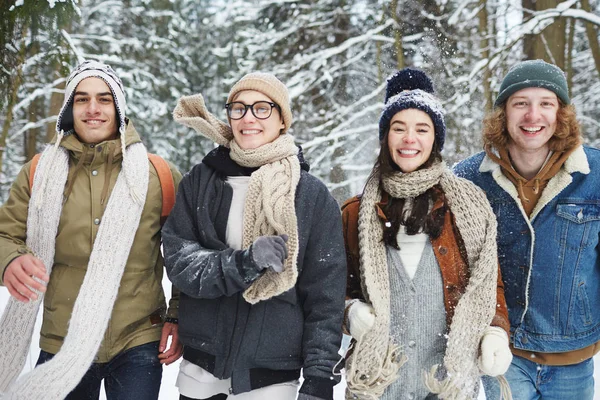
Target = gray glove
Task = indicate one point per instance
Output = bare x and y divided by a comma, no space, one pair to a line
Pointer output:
270,252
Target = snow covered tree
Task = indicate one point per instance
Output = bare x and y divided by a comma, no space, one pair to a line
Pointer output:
34,54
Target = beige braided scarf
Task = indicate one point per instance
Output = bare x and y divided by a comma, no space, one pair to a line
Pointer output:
375,361
269,207
93,306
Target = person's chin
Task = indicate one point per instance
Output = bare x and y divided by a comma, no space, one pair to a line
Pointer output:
252,143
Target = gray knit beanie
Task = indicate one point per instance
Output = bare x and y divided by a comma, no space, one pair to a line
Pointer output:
270,86
84,70
534,73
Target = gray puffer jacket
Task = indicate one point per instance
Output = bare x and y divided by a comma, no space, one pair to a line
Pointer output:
268,342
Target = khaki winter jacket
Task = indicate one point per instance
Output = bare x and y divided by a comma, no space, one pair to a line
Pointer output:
140,305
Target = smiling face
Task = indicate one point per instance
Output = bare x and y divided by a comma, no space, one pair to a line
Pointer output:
531,120
94,112
410,139
251,132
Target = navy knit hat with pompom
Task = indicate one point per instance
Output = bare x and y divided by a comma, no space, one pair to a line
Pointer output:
407,79
412,88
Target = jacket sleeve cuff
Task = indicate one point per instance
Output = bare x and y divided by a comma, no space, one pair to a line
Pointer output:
173,311
250,270
318,387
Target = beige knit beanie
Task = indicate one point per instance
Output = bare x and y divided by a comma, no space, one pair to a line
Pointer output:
270,86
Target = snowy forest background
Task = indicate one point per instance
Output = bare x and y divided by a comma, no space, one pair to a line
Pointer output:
334,55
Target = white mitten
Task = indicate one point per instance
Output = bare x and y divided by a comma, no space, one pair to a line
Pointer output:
360,319
495,355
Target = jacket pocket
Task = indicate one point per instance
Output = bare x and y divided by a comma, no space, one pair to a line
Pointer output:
198,318
578,224
61,293
281,329
584,304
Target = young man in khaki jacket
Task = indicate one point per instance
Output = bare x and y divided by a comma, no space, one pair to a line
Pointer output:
85,238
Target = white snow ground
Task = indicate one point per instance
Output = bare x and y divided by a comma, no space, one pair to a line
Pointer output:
168,391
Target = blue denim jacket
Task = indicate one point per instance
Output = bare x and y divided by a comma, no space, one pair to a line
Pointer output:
550,262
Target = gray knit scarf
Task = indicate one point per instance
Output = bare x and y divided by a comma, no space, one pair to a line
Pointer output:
270,207
376,359
93,307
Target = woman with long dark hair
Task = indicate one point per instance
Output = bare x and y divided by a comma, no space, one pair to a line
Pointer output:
425,304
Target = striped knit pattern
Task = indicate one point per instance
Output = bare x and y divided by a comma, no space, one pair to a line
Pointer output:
371,368
93,307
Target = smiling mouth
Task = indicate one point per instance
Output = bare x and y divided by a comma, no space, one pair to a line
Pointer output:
250,132
94,121
532,130
408,152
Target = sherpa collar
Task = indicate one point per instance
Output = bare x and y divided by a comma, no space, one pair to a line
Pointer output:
577,162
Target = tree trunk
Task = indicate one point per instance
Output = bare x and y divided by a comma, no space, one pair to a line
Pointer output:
484,46
58,70
31,136
338,174
569,55
35,107
590,30
550,44
378,45
12,101
398,45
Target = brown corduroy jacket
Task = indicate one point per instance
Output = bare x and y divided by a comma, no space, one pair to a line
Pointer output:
449,252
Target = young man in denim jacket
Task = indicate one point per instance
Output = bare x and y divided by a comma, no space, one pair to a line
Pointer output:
544,188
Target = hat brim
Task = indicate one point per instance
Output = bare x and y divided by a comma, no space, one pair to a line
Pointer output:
515,87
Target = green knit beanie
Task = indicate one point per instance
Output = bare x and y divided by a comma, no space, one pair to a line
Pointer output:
534,73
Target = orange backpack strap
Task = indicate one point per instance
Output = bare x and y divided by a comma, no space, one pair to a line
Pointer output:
34,162
166,184
163,171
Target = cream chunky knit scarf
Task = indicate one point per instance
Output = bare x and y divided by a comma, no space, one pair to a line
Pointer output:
93,307
269,207
376,359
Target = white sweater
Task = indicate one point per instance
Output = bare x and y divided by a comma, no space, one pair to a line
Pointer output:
411,249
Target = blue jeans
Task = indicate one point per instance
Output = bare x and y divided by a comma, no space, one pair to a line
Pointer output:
529,381
134,374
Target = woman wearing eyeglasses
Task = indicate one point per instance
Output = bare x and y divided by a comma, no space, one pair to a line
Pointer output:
255,245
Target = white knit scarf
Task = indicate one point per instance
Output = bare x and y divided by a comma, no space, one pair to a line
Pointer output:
93,307
270,205
375,361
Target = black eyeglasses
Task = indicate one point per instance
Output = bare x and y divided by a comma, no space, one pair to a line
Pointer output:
261,109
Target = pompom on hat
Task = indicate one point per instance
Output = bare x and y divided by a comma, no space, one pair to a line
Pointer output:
270,86
534,73
412,88
407,79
